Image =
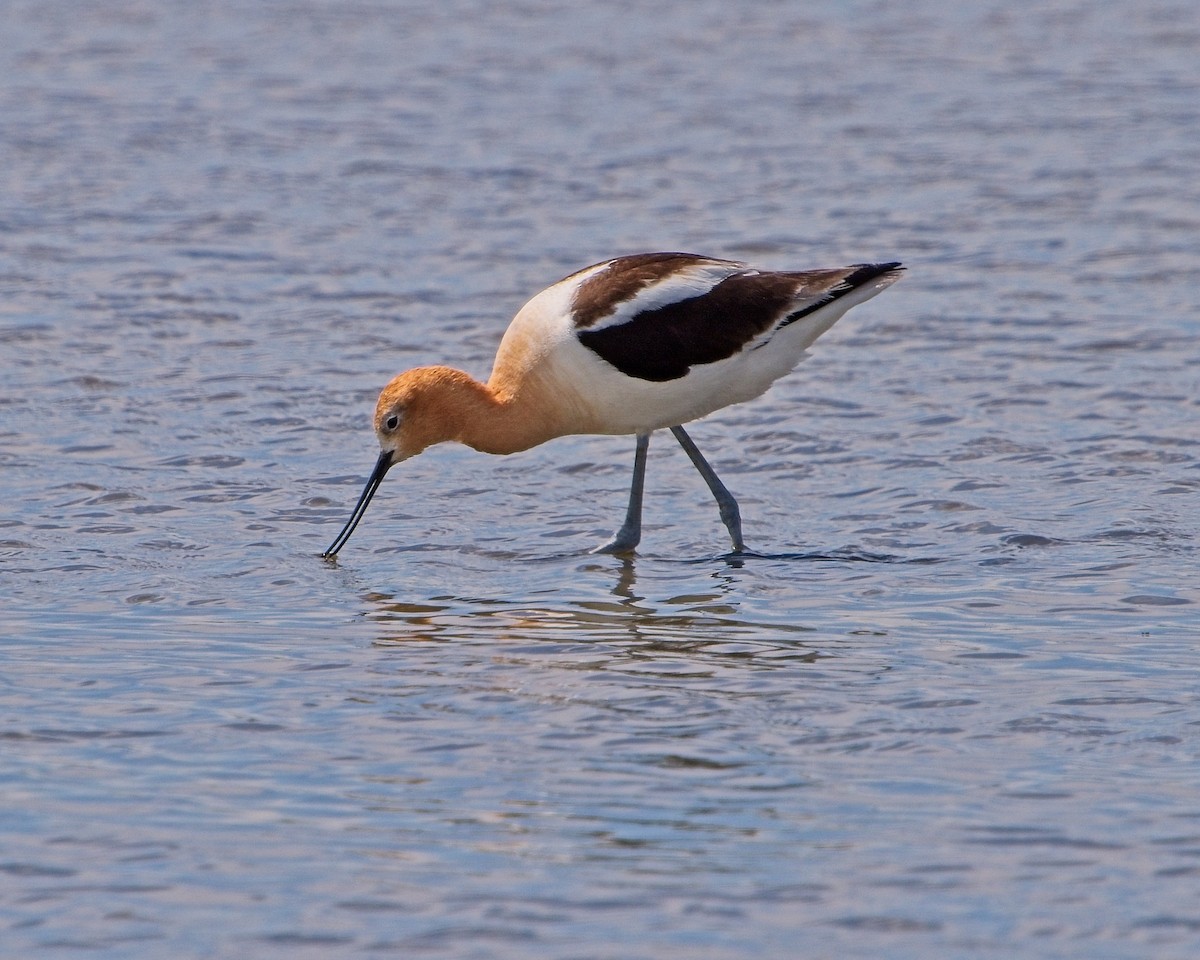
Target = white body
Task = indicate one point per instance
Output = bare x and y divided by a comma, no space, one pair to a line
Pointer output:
542,342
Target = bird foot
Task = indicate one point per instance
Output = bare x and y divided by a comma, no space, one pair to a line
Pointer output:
620,543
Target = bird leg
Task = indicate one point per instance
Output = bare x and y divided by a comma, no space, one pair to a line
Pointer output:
730,514
628,537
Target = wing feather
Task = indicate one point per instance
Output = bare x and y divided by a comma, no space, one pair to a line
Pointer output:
655,316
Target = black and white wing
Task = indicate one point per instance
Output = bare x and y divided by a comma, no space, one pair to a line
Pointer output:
654,316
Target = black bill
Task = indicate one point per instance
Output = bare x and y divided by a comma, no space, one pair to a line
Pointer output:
373,482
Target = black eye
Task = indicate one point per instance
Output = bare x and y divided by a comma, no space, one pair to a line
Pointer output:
392,422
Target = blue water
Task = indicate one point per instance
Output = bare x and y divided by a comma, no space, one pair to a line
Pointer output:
948,707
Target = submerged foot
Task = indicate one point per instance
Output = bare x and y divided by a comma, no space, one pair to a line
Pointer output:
622,542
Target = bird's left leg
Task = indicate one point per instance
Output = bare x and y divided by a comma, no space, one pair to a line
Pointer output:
630,534
730,514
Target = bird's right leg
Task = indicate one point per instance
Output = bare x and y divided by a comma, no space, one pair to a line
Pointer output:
630,534
731,516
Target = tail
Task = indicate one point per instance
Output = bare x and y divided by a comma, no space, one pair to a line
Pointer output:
858,283
824,296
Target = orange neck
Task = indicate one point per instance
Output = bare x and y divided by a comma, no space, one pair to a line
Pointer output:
442,403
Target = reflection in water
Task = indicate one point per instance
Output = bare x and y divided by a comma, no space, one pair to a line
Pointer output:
707,623
708,619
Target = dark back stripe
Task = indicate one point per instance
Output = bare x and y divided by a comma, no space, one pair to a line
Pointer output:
666,342
663,344
622,279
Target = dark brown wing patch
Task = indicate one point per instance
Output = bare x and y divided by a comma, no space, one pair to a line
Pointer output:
666,342
622,279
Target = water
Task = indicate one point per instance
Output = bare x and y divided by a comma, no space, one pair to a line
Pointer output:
948,708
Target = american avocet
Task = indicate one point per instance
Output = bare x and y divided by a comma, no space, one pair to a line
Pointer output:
630,345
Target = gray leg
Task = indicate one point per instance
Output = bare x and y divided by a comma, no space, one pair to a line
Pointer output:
630,534
730,514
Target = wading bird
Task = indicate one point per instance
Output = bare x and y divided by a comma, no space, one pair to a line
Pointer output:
627,346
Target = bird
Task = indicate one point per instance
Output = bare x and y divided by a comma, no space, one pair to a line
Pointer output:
630,345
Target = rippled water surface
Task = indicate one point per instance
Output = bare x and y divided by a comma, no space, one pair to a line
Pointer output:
949,707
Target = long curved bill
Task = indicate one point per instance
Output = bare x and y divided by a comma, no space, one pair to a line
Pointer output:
373,482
